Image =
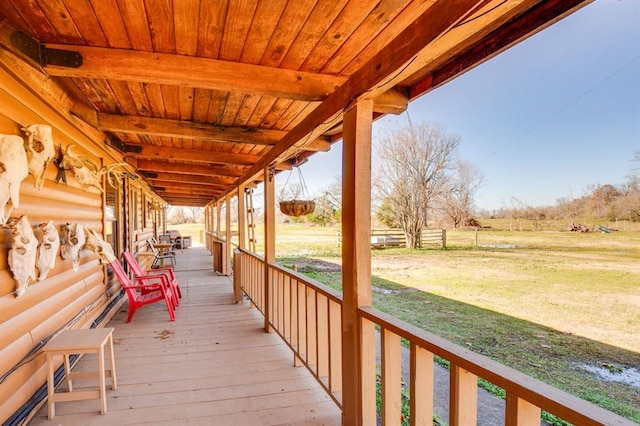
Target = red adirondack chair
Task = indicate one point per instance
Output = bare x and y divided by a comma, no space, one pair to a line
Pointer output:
144,291
167,272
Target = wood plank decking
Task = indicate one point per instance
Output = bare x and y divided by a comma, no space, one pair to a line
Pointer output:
214,365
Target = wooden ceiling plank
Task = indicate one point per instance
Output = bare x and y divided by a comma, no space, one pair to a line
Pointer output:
261,30
84,19
153,93
291,21
122,93
179,70
236,27
323,14
390,32
185,13
36,20
260,112
58,15
199,156
246,110
110,21
379,19
160,19
231,107
427,27
201,180
211,26
348,21
171,100
134,16
187,129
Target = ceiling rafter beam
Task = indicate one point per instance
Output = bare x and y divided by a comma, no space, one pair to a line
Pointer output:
429,26
186,129
203,180
189,71
188,168
195,155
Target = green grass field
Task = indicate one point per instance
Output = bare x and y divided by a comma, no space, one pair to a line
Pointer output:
549,305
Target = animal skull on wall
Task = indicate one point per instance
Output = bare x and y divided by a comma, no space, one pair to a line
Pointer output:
47,249
84,170
99,246
13,170
72,240
22,256
40,151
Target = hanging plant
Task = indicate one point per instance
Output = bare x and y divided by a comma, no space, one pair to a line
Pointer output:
296,200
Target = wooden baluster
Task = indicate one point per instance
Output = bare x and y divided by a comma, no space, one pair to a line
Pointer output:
520,412
335,345
391,378
322,305
421,385
463,397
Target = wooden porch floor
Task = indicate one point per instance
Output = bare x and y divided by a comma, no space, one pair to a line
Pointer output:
214,365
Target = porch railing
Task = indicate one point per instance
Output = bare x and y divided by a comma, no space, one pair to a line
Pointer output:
307,315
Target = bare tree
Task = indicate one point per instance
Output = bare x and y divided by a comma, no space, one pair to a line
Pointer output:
457,200
413,162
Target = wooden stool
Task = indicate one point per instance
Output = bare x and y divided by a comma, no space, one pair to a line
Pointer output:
80,342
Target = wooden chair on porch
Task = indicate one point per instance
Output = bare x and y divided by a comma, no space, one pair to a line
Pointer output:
138,272
162,251
144,291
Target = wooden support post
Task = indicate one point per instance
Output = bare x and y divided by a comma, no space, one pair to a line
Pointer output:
218,217
242,217
228,251
356,261
269,240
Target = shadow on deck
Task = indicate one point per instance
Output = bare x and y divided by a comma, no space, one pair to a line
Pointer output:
214,365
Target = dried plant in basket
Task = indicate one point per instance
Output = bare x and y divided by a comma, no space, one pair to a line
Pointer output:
295,200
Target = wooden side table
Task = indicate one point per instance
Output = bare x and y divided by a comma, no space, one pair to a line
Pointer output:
80,342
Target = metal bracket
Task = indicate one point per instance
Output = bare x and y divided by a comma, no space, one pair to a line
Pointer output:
116,143
44,55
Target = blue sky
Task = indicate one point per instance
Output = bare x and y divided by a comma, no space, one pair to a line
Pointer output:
545,119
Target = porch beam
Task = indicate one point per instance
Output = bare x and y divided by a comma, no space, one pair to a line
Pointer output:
188,168
140,125
189,71
269,240
358,398
195,155
202,180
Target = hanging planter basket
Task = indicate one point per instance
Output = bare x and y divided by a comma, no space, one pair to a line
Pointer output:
297,206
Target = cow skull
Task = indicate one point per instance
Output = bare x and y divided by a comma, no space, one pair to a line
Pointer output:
40,151
13,170
47,249
99,246
22,256
72,240
86,171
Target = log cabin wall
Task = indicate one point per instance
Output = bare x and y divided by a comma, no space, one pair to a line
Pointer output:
66,299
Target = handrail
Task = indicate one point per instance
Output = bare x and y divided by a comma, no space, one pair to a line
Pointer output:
308,317
533,391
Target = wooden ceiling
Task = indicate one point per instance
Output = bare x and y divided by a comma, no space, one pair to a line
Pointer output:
201,95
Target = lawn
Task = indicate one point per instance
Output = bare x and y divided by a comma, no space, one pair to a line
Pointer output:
551,305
